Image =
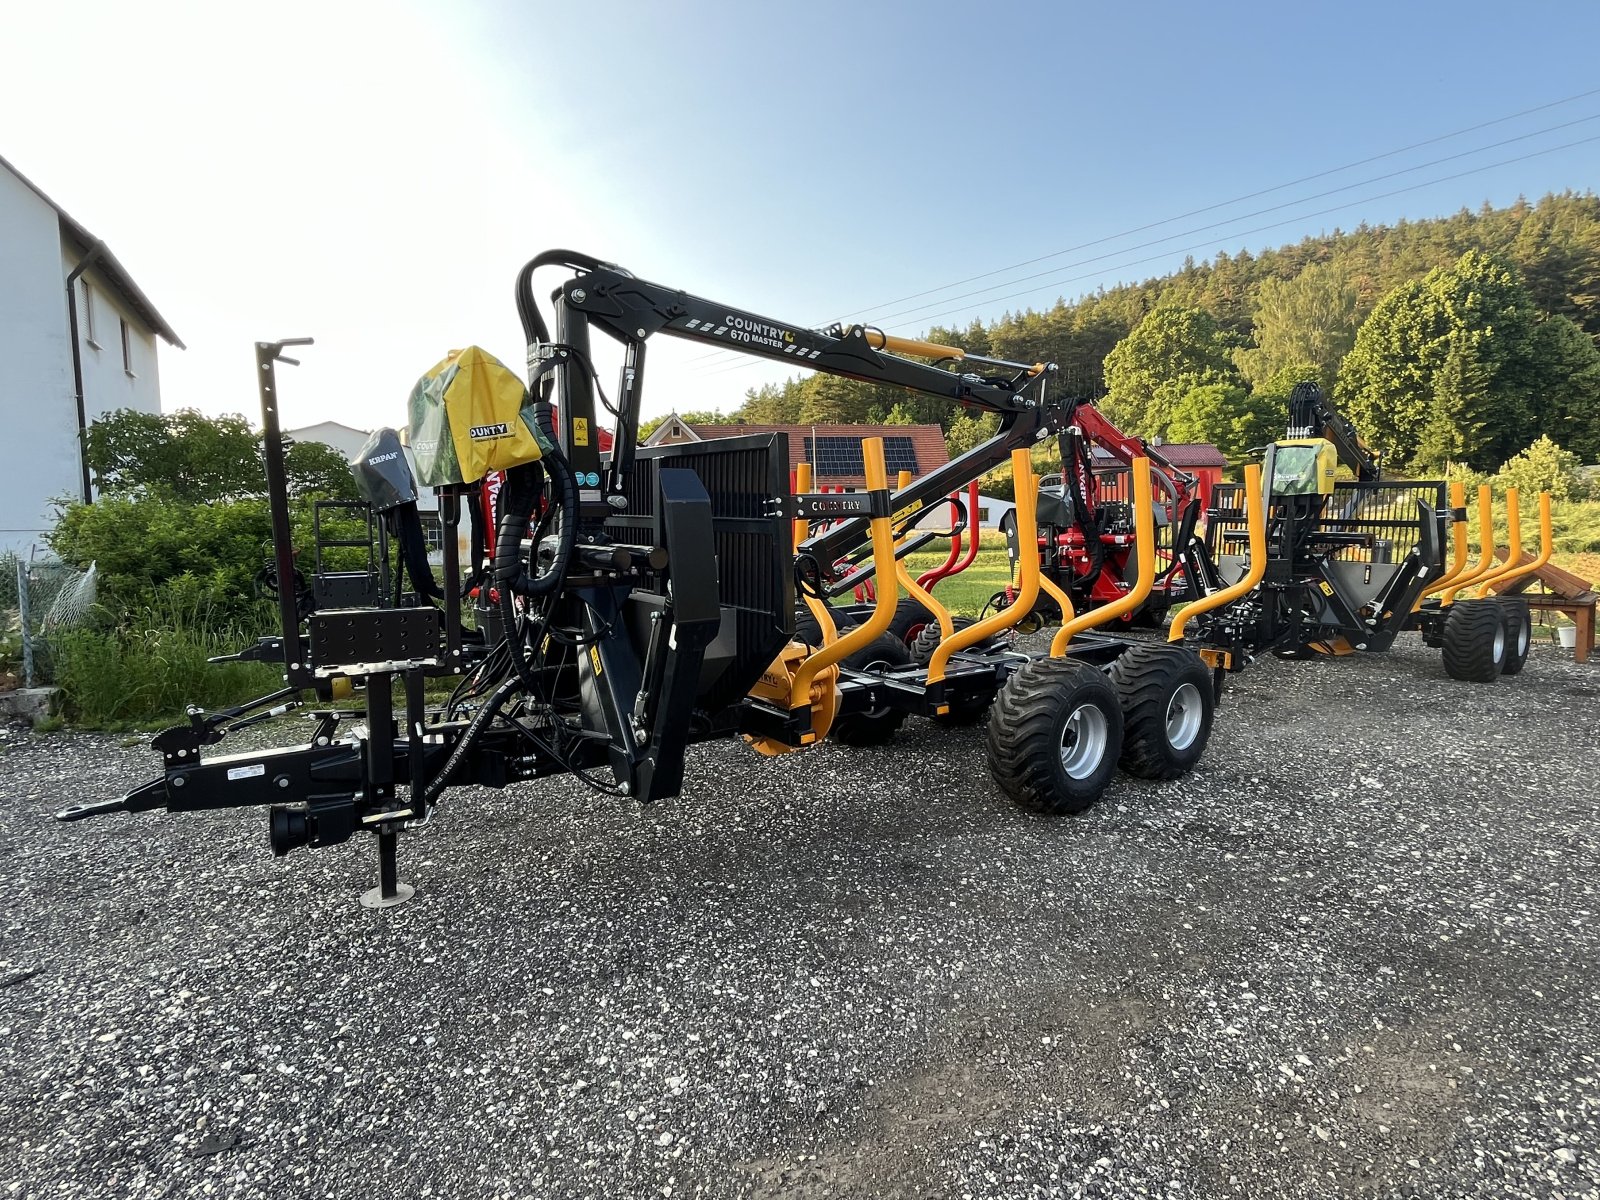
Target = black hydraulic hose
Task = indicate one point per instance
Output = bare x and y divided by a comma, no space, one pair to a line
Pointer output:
1089,526
534,328
469,739
518,496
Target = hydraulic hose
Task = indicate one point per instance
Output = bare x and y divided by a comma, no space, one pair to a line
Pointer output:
469,738
1088,525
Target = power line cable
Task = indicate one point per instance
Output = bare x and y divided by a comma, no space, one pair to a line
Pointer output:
1217,240
1235,200
1247,216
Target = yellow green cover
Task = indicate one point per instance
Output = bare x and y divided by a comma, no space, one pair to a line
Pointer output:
468,415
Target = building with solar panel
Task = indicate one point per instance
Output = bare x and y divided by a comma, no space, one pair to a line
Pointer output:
834,451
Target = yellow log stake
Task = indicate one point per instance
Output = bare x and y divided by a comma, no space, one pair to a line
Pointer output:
1256,519
1513,571
1459,544
1027,493
1513,544
1485,562
803,481
867,632
1144,541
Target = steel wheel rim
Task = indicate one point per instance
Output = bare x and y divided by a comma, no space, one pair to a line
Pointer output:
1185,711
1083,741
1523,634
1499,643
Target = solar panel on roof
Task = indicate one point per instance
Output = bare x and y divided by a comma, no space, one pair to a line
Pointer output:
835,457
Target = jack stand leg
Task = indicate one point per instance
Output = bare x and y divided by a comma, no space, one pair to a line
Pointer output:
390,891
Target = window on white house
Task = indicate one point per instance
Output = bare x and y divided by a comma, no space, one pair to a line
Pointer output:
88,314
433,532
127,348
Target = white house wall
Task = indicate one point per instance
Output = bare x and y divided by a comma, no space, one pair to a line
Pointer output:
107,386
36,405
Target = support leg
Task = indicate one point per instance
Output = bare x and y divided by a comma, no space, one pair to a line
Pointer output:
390,891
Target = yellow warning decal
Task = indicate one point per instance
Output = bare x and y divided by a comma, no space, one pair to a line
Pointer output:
594,659
580,431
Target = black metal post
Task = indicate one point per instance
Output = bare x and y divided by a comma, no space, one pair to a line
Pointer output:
296,670
380,786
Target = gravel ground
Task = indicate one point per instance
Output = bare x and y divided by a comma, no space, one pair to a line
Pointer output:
1355,954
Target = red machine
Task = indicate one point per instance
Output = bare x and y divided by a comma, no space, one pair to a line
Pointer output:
1086,530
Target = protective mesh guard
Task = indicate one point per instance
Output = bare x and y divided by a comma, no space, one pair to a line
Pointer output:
746,478
1385,513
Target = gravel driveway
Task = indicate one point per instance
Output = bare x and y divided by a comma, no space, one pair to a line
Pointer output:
1355,954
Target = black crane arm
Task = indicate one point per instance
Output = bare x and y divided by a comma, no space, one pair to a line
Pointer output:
1312,414
631,310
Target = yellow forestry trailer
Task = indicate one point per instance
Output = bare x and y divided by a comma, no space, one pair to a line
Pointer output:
1339,566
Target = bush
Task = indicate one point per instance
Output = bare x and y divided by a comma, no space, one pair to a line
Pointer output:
141,545
1544,467
152,664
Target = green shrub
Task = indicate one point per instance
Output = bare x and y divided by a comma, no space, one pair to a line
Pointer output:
149,666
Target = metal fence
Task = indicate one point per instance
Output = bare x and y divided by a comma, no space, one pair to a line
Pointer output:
38,598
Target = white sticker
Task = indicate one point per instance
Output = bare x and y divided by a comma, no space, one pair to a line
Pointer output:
249,772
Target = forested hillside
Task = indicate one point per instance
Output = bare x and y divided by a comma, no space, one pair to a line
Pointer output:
1453,341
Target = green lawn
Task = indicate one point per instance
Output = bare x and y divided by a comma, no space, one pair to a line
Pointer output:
969,591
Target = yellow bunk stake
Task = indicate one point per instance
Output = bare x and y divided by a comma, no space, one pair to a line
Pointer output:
1514,571
919,593
1513,544
1059,595
1458,549
802,529
1256,520
802,486
1027,490
867,632
1144,540
1485,562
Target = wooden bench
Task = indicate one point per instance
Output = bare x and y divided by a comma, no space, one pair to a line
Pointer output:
1550,589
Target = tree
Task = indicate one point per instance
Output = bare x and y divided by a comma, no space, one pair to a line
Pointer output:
1445,367
1231,418
185,455
900,414
968,431
1566,387
313,469
1544,467
1168,354
771,404
827,400
1308,320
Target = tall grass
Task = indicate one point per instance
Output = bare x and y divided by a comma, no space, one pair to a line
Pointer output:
151,666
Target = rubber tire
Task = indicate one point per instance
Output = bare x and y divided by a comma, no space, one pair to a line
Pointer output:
1470,632
926,642
1026,725
878,726
1147,679
1519,632
808,631
909,619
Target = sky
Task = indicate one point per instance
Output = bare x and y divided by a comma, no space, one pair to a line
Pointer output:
374,174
